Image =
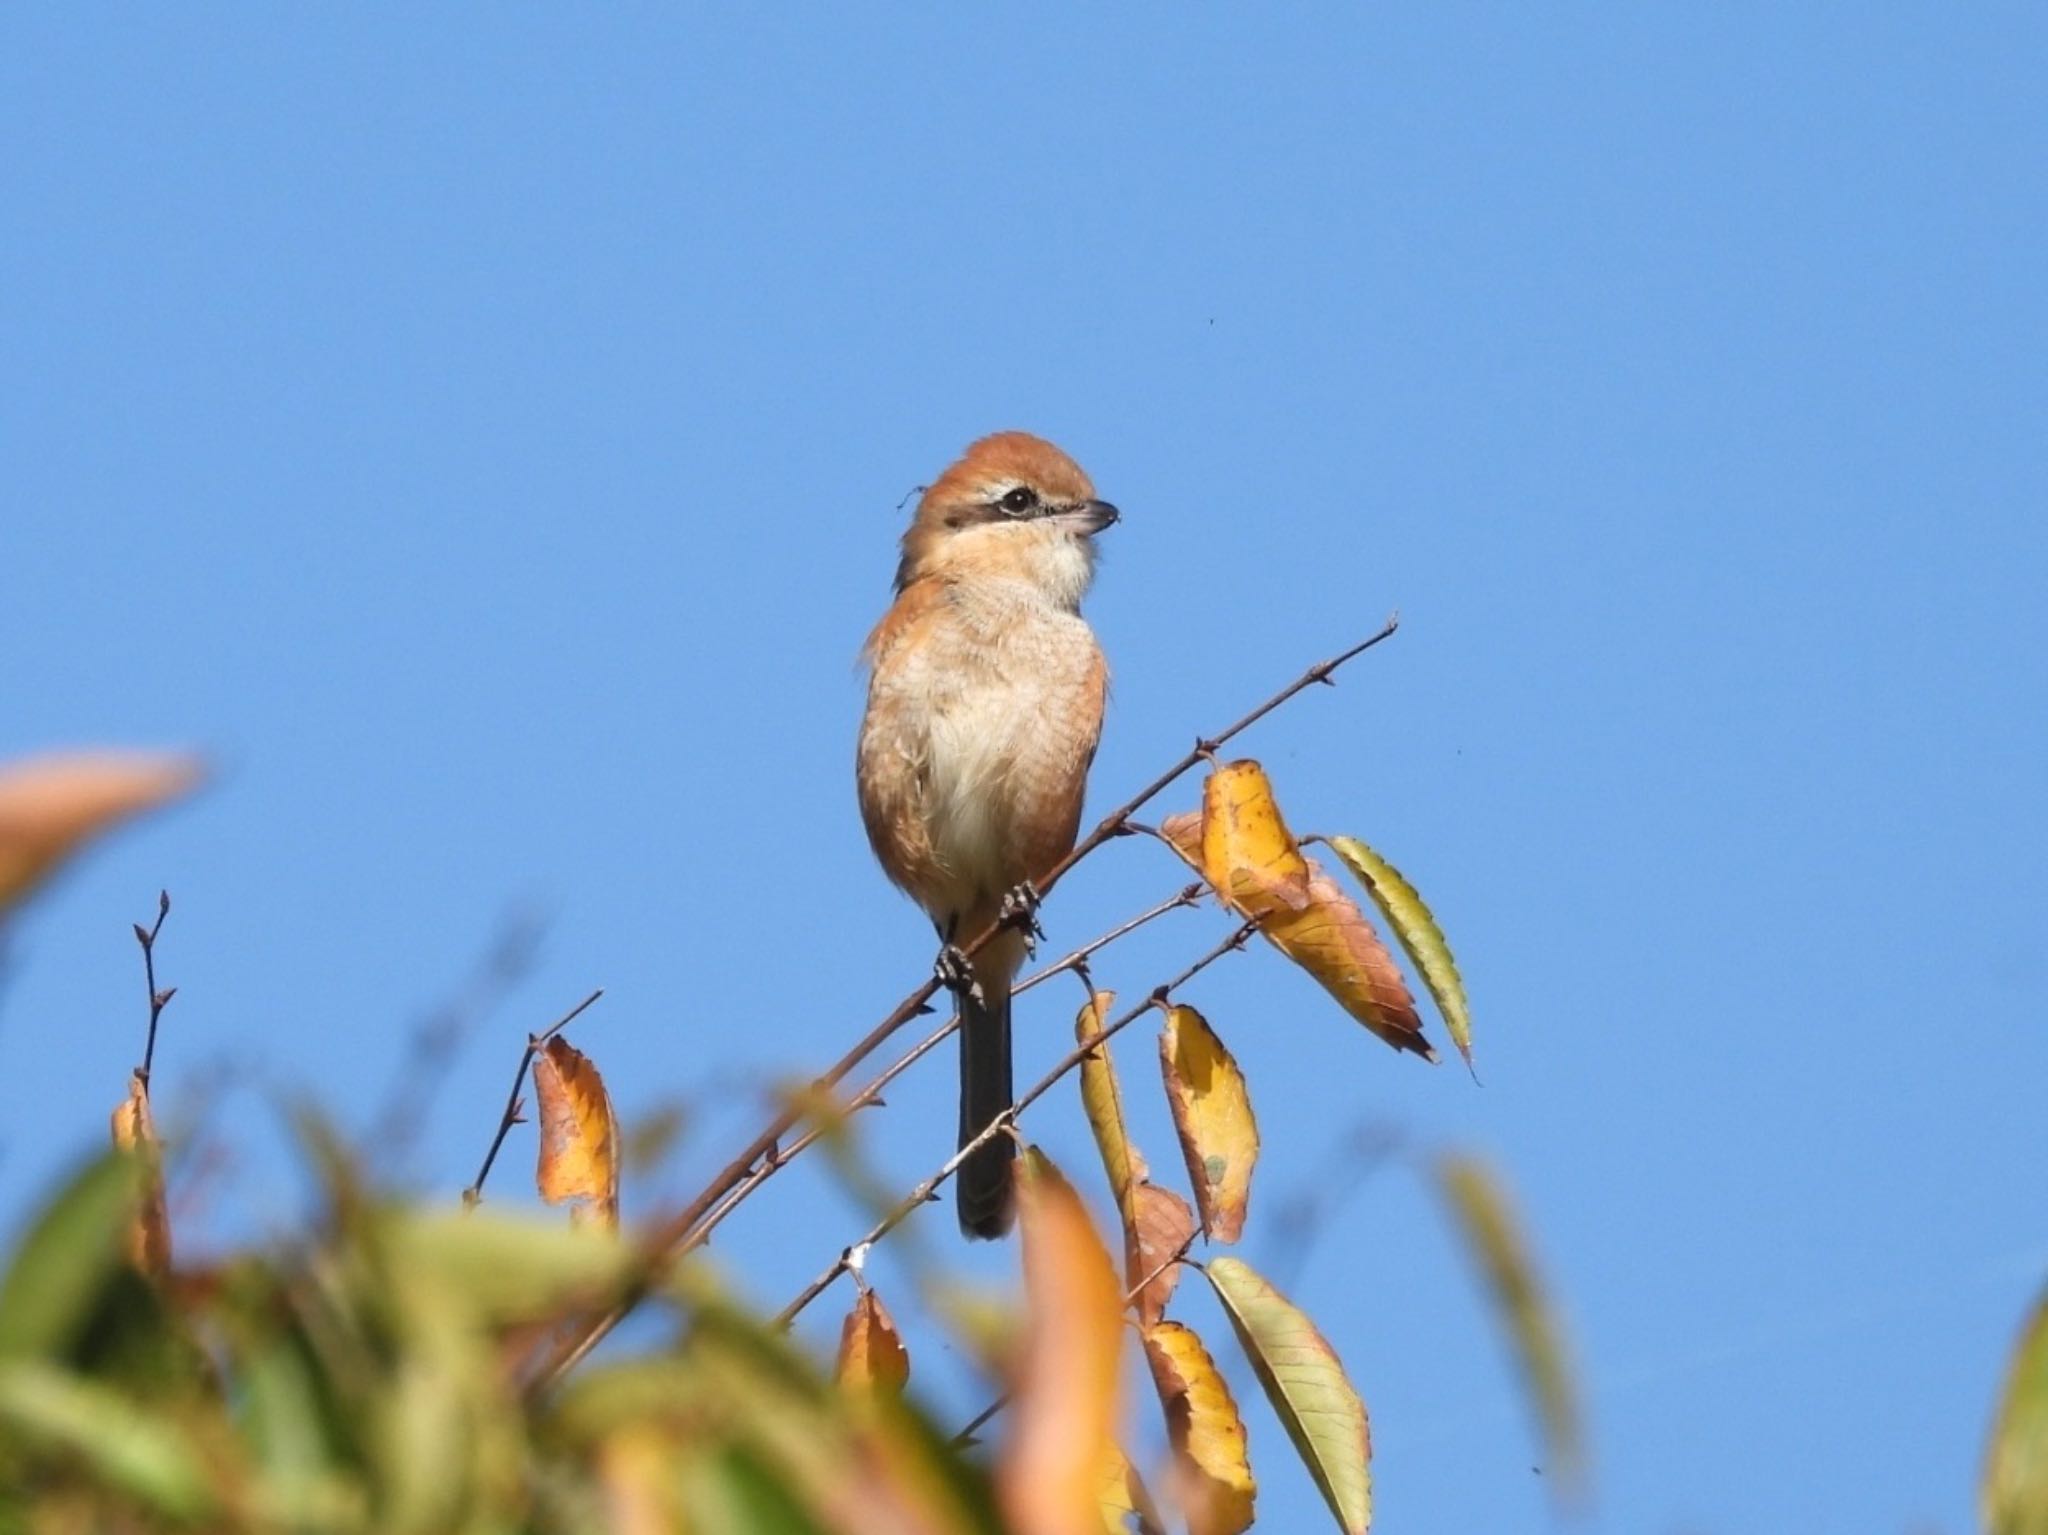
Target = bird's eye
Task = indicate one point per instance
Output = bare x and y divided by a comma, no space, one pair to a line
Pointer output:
1020,500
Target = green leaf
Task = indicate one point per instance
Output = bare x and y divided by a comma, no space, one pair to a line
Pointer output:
1420,937
1305,1382
138,1455
509,1268
1495,1242
70,1255
2014,1496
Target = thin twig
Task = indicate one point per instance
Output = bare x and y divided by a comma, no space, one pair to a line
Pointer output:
514,1108
158,1000
781,1156
871,1094
1002,1124
670,1236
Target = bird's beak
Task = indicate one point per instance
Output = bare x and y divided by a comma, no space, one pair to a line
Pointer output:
1092,517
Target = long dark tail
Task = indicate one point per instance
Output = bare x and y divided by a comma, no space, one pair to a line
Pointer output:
987,1201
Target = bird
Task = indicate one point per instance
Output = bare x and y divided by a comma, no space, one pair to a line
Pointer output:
986,690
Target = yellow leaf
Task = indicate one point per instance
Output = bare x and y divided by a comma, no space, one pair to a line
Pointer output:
579,1137
1247,852
1159,1227
871,1352
2014,1497
1305,1382
1496,1245
149,1232
1416,927
1049,1482
1103,1101
1213,1480
1317,926
50,805
1213,1113
1123,1495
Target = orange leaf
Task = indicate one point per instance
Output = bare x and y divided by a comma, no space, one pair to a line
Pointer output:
1247,851
579,1137
1213,1480
871,1352
1302,911
1213,1113
50,805
1159,1226
1049,1482
149,1232
1333,942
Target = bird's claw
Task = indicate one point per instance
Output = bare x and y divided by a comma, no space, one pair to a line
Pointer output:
1020,910
956,974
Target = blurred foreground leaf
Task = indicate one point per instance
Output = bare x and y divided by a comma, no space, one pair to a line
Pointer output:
2014,1496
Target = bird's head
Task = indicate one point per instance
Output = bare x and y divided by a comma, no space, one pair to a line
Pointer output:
1012,507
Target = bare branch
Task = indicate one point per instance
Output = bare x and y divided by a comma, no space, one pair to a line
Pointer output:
763,1151
158,1000
923,1192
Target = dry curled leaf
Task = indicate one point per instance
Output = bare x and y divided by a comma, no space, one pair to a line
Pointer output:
1159,1229
149,1231
1212,1482
1065,1412
1494,1240
871,1352
51,805
579,1136
1212,1111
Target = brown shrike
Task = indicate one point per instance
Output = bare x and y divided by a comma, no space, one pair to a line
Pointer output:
984,707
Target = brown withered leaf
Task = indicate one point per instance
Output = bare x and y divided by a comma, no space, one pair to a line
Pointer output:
1159,1226
871,1352
1066,1406
1247,853
1212,1111
579,1135
1212,1482
149,1230
50,805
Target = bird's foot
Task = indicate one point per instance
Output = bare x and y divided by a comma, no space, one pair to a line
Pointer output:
956,973
1020,910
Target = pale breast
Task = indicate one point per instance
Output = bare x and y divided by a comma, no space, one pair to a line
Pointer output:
982,726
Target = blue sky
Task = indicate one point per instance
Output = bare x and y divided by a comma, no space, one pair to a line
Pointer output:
483,432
